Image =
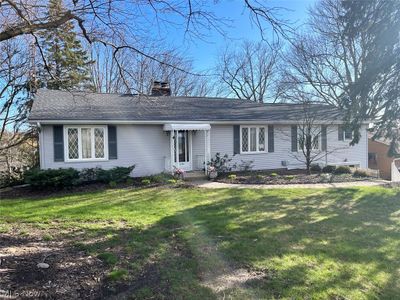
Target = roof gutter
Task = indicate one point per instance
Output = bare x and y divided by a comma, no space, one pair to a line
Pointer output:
162,122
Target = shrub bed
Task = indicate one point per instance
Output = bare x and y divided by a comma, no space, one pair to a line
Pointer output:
65,178
52,178
294,177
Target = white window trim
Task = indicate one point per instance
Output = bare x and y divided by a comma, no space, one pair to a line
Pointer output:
313,149
344,135
257,139
80,159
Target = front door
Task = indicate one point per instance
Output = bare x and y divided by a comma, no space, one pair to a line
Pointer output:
184,150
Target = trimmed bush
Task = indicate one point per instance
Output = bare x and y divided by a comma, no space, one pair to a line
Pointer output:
112,184
343,170
117,174
161,178
222,164
146,181
89,175
273,174
289,177
315,168
360,173
232,177
52,178
329,169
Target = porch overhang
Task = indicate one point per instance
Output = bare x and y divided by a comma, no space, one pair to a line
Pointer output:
177,126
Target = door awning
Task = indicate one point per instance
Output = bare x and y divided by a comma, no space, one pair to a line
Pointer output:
169,127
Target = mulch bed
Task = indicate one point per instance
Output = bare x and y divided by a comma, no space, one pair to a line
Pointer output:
27,192
283,176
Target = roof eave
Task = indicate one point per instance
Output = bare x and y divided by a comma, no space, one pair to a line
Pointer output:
161,122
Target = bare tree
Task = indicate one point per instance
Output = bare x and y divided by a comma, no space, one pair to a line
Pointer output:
309,135
251,71
139,72
14,86
125,25
330,64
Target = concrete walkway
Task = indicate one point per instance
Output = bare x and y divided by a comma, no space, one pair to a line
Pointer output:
220,185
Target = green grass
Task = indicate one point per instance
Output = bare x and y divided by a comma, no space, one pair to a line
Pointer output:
108,258
315,244
116,275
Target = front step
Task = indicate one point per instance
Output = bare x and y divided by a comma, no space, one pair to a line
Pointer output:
195,175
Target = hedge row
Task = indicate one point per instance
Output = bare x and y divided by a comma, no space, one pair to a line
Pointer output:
64,178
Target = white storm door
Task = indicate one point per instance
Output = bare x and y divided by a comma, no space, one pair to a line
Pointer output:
184,150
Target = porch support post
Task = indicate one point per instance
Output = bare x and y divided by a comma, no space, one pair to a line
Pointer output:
208,145
176,148
171,146
205,152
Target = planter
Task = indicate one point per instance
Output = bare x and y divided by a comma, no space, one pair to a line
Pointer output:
179,176
212,174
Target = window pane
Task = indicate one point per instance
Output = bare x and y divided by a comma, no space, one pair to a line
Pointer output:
253,137
99,142
316,142
245,139
86,135
73,143
261,139
301,139
348,134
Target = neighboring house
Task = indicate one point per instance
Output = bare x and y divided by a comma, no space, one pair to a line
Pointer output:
378,158
86,130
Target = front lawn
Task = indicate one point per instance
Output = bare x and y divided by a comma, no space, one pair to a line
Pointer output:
204,244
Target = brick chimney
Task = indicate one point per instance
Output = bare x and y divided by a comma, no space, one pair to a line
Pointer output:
160,88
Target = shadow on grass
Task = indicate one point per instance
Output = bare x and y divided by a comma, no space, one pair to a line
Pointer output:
338,243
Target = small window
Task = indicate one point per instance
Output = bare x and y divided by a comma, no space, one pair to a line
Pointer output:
348,134
345,133
85,143
372,157
253,139
311,137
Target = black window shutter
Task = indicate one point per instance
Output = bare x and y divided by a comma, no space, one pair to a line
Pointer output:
112,142
324,138
236,139
58,141
271,146
340,133
294,138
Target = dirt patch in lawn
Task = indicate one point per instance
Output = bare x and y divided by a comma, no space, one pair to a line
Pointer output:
75,270
71,274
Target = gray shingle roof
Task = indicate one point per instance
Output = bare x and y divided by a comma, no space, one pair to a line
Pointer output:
64,105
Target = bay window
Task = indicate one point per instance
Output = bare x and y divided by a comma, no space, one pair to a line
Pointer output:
252,139
85,143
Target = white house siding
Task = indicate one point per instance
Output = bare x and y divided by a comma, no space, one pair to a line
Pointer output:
222,142
145,146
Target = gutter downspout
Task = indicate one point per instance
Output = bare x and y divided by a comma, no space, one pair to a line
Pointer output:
40,142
